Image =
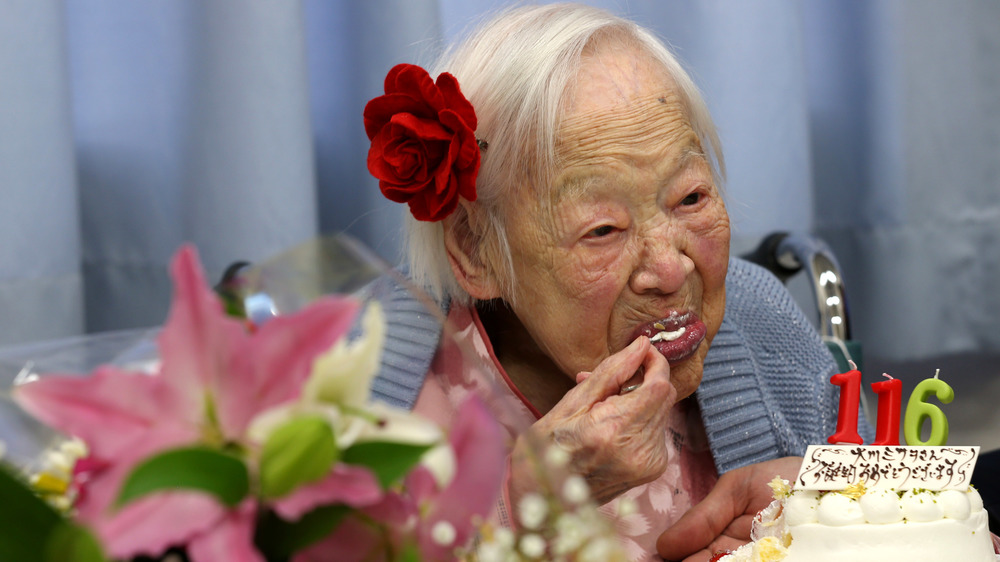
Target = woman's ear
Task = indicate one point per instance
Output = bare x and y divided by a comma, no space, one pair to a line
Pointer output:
464,240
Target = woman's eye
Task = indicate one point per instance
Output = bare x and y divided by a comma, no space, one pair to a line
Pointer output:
601,231
691,199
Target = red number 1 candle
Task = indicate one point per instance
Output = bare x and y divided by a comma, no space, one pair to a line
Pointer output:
847,415
889,394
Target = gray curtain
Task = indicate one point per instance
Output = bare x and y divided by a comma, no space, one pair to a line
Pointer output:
127,128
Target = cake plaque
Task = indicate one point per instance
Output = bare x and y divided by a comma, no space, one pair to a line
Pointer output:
835,467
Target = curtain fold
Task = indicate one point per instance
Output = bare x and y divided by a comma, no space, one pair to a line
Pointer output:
906,145
130,73
250,186
41,288
191,125
128,128
352,45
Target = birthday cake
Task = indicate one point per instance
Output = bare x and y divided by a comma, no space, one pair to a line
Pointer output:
878,522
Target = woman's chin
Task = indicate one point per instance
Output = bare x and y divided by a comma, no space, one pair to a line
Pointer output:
685,374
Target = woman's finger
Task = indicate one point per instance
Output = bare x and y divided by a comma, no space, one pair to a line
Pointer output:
651,391
612,373
655,366
706,522
721,544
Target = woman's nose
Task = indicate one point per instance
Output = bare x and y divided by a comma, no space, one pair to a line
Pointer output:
663,265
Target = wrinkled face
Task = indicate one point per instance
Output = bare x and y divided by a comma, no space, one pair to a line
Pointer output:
635,240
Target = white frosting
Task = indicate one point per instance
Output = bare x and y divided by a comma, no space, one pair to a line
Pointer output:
837,510
955,504
668,336
881,526
801,507
921,505
946,539
881,507
975,500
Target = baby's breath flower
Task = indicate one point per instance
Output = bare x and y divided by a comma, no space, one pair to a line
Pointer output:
627,506
532,545
443,533
504,537
556,456
493,552
532,510
601,549
571,532
575,489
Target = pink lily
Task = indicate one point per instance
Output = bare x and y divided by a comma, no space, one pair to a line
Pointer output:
480,456
424,505
214,378
351,485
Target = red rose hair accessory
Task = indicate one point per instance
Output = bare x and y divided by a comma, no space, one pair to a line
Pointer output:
424,149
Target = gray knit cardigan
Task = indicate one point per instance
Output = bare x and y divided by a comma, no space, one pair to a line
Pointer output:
765,393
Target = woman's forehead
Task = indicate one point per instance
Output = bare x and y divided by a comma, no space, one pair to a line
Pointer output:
630,121
615,75
576,181
622,100
623,108
653,130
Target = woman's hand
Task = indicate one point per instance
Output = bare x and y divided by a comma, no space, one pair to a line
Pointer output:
615,441
722,520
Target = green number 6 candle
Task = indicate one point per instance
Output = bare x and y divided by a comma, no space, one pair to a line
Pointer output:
917,409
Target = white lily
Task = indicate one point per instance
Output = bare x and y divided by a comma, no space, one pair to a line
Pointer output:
399,426
338,385
343,375
339,389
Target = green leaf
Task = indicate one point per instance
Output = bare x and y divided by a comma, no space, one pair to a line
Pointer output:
388,460
410,553
31,530
25,520
71,543
278,539
299,452
190,468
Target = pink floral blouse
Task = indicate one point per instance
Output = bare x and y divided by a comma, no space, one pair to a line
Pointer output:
454,374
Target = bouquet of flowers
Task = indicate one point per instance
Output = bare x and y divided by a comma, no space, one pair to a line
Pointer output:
246,442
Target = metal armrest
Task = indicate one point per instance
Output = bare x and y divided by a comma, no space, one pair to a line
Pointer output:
828,284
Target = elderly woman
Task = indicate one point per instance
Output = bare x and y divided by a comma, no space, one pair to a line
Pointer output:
564,183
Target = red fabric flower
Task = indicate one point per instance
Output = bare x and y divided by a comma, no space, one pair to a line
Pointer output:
424,149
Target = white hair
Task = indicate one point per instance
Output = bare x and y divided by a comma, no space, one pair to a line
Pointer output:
515,70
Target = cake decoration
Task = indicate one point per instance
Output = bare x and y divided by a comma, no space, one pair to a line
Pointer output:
887,418
881,502
918,409
864,524
836,467
889,392
847,412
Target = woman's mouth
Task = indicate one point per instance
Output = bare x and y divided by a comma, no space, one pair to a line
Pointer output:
676,337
